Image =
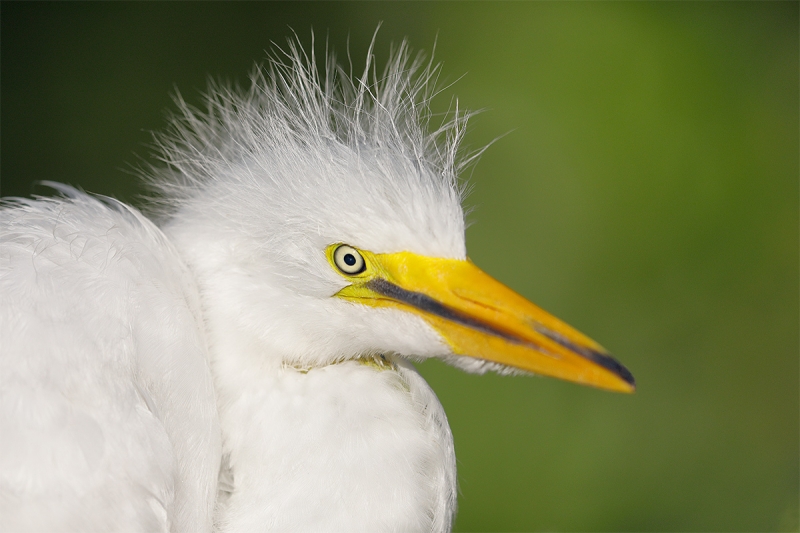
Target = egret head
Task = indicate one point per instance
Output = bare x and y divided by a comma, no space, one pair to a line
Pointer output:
323,221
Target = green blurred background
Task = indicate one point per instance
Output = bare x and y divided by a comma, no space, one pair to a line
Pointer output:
646,192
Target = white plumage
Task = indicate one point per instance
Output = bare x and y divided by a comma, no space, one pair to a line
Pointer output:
108,414
225,369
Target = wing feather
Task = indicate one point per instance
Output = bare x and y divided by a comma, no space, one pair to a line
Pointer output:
107,413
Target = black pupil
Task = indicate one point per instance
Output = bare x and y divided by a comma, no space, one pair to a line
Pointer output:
349,259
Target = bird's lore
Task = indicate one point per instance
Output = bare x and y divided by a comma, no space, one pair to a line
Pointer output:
311,241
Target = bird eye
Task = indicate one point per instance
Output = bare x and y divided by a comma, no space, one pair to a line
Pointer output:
348,260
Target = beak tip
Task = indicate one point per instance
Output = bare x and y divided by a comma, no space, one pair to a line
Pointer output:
615,367
598,356
625,375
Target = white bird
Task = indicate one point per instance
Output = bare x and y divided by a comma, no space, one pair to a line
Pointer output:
243,365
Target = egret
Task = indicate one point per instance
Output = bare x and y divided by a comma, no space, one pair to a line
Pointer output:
239,361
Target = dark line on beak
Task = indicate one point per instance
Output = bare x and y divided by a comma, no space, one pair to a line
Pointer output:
599,358
428,304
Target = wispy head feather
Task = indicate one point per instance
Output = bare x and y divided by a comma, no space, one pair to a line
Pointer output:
317,145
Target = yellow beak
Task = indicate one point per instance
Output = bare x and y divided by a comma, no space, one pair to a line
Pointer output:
482,318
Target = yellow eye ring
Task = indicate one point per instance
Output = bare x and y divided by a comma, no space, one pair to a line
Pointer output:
348,260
